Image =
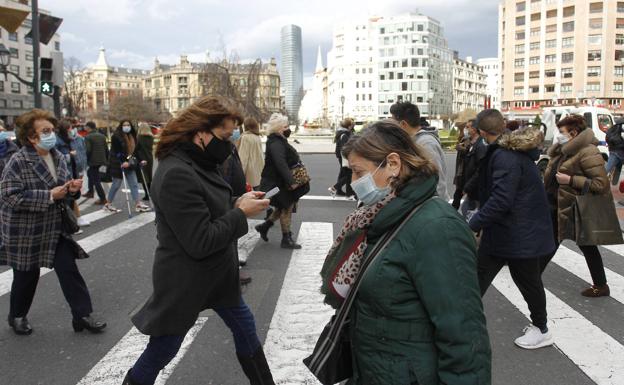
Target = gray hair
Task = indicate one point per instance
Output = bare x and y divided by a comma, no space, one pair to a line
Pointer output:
276,122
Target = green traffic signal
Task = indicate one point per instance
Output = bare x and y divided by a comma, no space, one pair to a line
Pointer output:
46,88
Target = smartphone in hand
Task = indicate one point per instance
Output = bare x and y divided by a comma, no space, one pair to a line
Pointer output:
271,193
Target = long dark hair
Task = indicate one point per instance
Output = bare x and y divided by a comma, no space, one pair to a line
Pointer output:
382,138
203,115
119,129
62,130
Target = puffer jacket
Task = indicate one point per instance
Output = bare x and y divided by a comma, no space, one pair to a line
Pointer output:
581,159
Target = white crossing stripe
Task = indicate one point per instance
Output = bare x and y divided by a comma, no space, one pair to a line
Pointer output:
575,264
127,191
300,314
113,367
595,352
97,215
248,242
90,243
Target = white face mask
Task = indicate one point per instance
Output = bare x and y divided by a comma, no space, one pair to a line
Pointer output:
126,129
367,191
563,139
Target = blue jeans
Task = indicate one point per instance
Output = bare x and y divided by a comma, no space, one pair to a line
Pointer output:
133,184
613,162
161,350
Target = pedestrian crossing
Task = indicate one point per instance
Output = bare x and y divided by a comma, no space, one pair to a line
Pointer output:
300,314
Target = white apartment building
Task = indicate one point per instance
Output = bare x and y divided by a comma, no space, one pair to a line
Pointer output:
376,62
469,85
491,68
561,52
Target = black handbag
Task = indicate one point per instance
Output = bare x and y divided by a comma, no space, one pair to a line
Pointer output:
69,221
331,360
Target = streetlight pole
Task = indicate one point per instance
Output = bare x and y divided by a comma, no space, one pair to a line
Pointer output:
342,101
35,42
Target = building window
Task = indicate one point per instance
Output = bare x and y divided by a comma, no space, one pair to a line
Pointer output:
18,104
568,26
595,7
550,73
28,40
29,55
568,11
3,103
619,55
13,36
549,88
594,39
520,21
535,32
619,39
567,57
519,76
1,86
520,35
566,73
518,91
618,87
520,6
620,6
595,23
567,42
594,55
536,16
593,71
15,87
534,75
567,87
551,43
535,46
14,53
551,28
519,63
618,72
619,23
520,48
534,60
57,45
550,58
552,13
593,86
533,89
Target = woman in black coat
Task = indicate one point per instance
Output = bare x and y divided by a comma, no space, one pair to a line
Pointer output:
145,152
280,158
198,222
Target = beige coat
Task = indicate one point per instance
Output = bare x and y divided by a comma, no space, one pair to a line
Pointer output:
580,159
252,159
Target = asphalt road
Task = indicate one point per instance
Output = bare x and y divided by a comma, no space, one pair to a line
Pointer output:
589,333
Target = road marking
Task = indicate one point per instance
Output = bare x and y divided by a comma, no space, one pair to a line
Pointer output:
248,242
575,264
127,191
325,198
595,352
113,367
300,313
90,243
96,215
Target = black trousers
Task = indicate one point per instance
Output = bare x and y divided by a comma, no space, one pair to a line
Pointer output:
591,254
459,194
344,179
72,284
93,173
526,274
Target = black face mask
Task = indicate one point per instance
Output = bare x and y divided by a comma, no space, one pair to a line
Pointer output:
217,150
287,133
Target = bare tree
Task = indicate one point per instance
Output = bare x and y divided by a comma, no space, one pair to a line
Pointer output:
73,91
134,108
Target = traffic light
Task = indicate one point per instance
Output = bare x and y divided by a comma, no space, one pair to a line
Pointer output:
46,88
45,64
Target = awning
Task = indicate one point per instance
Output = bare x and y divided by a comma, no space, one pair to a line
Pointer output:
11,18
48,25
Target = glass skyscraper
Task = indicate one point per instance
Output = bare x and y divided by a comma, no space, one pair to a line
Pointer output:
292,69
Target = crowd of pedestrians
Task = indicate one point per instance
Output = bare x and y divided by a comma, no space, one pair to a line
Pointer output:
411,320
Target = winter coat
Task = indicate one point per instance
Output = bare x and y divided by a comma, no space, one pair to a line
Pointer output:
233,174
78,144
462,150
195,263
615,140
119,155
279,159
11,148
251,157
514,217
97,149
342,137
418,316
430,140
64,147
30,223
475,154
145,151
581,159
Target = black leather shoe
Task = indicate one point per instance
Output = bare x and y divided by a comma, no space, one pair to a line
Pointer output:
263,229
128,380
88,323
20,325
288,242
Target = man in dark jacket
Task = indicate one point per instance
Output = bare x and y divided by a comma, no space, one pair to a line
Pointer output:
615,141
470,174
343,134
97,156
514,221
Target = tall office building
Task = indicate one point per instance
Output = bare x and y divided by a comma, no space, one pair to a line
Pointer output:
561,52
292,69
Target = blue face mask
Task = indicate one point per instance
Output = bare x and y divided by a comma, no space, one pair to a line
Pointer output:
235,135
367,191
4,136
47,142
126,129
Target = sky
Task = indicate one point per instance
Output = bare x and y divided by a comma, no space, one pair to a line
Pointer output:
134,32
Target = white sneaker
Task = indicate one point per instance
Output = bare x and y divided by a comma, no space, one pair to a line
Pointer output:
111,208
83,222
533,338
141,208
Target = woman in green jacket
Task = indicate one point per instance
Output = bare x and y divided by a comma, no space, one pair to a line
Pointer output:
418,316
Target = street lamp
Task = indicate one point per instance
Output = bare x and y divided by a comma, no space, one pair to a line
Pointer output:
5,60
342,100
5,56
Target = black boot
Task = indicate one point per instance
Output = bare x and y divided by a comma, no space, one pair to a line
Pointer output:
263,229
288,242
20,325
256,368
128,380
88,323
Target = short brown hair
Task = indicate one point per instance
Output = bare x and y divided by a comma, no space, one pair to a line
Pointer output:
382,138
251,124
491,121
203,115
574,123
26,124
347,123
